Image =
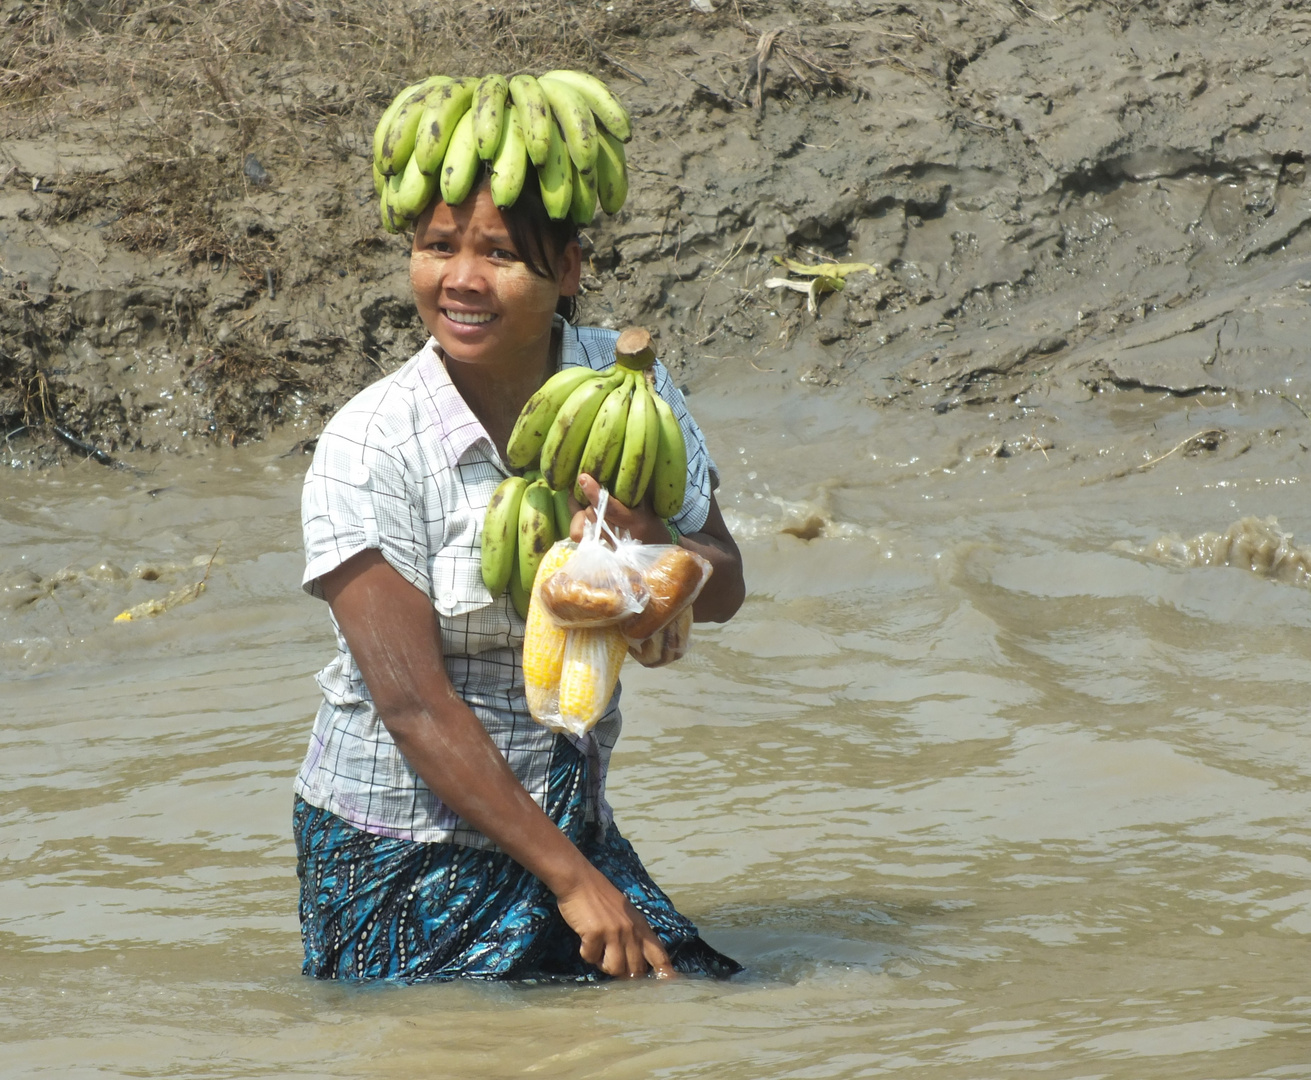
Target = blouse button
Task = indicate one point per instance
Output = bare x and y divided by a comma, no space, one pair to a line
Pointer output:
449,599
359,474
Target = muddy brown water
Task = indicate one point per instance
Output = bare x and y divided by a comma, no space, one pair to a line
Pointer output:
972,786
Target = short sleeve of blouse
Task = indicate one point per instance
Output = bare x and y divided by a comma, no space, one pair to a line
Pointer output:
702,476
358,495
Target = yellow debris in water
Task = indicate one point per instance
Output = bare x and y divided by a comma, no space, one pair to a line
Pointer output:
149,608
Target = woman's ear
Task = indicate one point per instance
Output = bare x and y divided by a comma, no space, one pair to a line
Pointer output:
571,268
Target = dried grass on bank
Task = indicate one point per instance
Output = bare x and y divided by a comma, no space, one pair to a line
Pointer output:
148,66
185,91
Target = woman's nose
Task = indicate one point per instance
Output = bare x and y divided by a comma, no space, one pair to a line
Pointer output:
464,272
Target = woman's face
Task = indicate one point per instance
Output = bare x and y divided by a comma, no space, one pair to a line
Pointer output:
475,294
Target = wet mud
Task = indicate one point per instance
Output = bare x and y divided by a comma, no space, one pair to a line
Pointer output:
1065,201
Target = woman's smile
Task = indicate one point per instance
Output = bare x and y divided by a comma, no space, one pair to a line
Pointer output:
468,318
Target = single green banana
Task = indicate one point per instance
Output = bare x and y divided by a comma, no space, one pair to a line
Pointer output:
416,190
556,176
534,113
510,165
605,441
669,478
563,446
538,414
536,531
380,129
392,219
614,451
460,166
398,142
379,180
501,533
445,105
564,517
582,201
518,597
611,173
641,441
384,121
576,121
489,114
604,105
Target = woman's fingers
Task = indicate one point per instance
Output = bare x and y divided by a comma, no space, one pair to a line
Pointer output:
623,955
639,522
582,512
654,952
636,959
634,956
592,950
613,934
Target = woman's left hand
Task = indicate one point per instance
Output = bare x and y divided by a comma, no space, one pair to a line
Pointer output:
724,591
640,522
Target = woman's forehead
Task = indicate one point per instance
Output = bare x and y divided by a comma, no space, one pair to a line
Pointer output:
474,217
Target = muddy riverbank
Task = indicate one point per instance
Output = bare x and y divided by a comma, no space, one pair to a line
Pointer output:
1065,201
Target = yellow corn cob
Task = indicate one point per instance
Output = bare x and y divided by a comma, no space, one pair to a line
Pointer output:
592,659
543,641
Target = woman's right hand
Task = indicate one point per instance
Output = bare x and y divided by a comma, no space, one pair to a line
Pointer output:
615,936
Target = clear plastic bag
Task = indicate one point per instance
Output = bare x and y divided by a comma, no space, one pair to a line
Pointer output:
570,671
592,659
572,655
544,642
601,583
569,675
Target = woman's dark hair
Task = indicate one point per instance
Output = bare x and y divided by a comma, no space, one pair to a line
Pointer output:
537,237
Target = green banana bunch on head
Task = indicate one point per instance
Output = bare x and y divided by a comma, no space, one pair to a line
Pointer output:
441,135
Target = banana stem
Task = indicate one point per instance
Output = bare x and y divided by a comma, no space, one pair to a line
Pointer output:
633,350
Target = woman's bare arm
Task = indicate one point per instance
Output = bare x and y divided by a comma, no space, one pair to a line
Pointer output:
394,637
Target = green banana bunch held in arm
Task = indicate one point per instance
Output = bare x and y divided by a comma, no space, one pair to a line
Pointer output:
610,424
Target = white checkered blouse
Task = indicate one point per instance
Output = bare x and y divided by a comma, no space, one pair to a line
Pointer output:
405,467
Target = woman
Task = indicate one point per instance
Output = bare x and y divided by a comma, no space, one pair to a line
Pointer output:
440,832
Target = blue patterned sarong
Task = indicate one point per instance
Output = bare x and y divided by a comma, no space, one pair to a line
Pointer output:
374,907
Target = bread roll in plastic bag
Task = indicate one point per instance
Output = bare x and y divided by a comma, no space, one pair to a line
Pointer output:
674,578
665,645
601,584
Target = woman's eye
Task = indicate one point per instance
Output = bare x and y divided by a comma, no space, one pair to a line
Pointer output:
505,254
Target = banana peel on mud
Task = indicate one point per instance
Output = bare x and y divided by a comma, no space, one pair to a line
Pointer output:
827,270
813,288
824,278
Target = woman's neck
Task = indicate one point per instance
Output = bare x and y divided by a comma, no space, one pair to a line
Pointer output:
497,396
